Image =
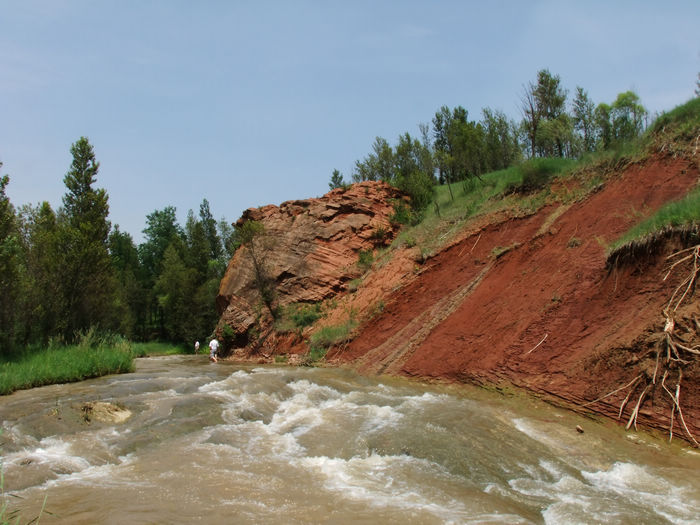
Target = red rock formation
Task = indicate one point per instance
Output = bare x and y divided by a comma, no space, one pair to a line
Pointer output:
312,248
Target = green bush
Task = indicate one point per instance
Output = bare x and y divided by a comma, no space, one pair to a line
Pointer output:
365,259
402,214
317,353
306,314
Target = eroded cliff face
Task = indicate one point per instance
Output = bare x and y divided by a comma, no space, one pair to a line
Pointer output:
520,299
309,250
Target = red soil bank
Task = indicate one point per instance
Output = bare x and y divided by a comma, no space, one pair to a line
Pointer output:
529,301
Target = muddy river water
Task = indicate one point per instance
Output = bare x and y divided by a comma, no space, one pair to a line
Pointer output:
216,443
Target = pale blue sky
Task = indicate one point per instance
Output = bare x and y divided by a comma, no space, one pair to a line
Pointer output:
248,103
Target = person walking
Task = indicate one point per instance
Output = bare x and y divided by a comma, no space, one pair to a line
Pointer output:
213,350
196,347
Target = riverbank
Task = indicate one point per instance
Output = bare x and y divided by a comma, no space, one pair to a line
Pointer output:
93,356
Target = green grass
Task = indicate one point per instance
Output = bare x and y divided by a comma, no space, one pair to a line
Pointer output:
328,336
682,121
153,348
56,364
522,189
684,212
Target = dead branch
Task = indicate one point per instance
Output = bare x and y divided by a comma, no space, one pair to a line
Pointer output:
538,344
635,412
614,391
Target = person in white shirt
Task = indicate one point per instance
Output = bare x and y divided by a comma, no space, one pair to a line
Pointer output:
196,347
213,350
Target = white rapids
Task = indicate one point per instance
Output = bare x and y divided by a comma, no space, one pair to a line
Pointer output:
213,443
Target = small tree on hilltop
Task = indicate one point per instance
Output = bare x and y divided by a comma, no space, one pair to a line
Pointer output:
336,180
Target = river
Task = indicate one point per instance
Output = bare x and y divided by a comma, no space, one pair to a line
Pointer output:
217,443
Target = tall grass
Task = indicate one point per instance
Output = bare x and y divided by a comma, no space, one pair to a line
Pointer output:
684,212
92,356
152,348
683,121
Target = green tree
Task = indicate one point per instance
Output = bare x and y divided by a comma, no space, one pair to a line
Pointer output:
336,180
501,148
198,252
410,175
87,278
378,165
627,117
543,103
210,230
603,125
161,230
9,269
175,290
583,119
42,303
442,146
228,239
131,300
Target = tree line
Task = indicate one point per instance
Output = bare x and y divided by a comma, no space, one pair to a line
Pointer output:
67,270
454,147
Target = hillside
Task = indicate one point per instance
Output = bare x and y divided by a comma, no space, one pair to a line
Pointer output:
523,293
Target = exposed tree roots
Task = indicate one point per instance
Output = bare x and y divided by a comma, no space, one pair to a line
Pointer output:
673,354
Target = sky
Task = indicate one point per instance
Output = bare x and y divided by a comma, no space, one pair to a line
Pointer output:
248,103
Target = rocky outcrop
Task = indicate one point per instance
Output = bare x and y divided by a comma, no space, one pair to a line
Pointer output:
310,250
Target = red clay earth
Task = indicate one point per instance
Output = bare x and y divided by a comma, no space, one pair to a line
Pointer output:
530,302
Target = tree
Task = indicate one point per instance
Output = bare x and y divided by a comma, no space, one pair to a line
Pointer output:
336,180
87,278
583,119
603,124
378,165
198,252
161,230
131,299
210,231
627,117
9,269
410,176
544,102
253,236
42,304
442,124
501,148
175,290
531,117
697,86
228,239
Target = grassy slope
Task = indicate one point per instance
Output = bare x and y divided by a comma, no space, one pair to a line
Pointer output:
676,132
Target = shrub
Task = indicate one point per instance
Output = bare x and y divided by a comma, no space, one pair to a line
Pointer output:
402,214
332,335
306,314
365,259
